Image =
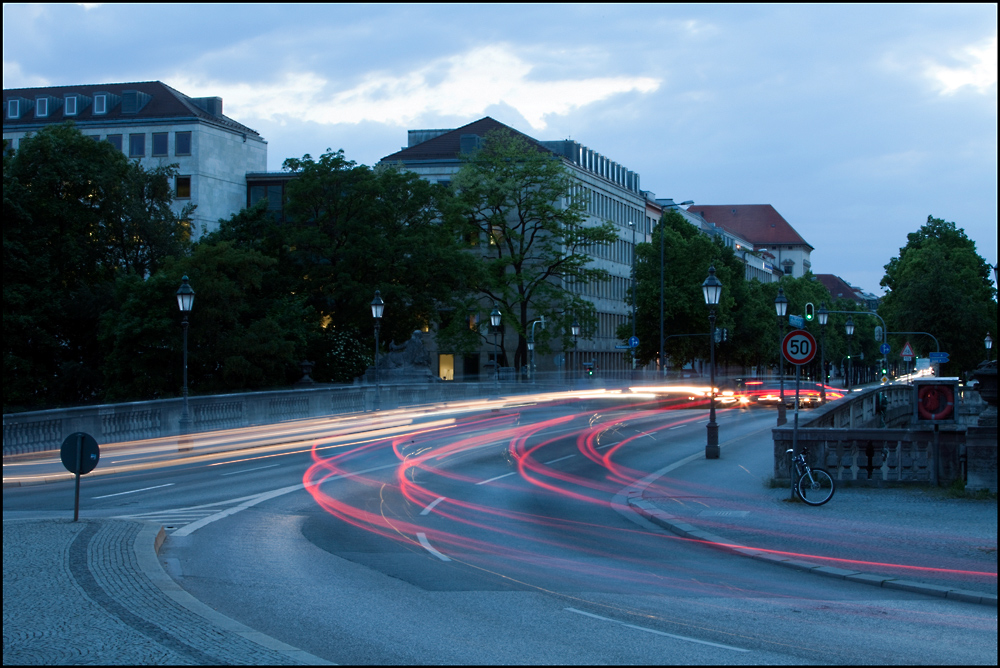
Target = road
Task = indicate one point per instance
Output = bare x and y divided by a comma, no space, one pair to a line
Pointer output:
500,536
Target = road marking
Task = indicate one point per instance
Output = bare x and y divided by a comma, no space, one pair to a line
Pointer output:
559,460
430,506
255,469
422,537
680,426
497,478
659,633
144,489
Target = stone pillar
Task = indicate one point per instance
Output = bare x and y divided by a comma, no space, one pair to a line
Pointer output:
981,440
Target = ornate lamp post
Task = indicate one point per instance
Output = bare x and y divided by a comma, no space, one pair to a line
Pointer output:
185,302
378,307
495,317
823,316
575,331
712,289
781,308
849,328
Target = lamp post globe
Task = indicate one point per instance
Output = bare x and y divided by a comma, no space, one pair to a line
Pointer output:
185,302
712,291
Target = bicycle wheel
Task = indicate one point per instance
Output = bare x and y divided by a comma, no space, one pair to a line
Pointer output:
817,491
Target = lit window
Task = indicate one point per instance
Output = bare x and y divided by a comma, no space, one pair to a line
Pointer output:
13,108
159,143
101,104
41,107
183,189
137,146
116,141
182,143
70,107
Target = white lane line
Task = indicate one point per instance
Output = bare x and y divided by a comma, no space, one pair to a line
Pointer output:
430,506
422,537
144,489
659,633
680,426
254,469
559,460
497,478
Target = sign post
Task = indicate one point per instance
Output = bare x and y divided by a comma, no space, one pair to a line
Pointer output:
80,454
798,347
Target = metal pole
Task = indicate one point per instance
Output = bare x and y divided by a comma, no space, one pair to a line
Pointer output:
781,371
496,365
378,389
712,447
822,365
632,351
79,465
663,364
185,415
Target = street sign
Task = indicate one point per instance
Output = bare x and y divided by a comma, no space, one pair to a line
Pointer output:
884,348
907,352
799,347
796,321
633,342
938,358
84,461
622,347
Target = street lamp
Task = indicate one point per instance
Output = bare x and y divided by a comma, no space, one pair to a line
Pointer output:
822,316
378,306
631,350
849,328
495,323
781,308
185,302
989,344
663,365
712,289
575,331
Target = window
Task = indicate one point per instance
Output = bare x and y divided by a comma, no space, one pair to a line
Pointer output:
13,108
101,104
183,189
116,141
182,143
69,109
159,143
41,107
137,146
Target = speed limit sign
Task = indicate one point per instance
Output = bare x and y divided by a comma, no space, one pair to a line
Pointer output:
799,347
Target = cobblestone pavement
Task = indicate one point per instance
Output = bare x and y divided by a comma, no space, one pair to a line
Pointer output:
92,592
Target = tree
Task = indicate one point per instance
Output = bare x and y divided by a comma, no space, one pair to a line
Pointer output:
939,284
77,214
354,230
517,200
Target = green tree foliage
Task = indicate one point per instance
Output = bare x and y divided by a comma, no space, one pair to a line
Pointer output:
518,201
354,230
77,215
939,284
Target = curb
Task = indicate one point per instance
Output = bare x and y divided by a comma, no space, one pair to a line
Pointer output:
682,528
147,546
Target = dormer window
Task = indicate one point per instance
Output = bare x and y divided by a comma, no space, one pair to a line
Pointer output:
41,107
100,103
13,108
69,109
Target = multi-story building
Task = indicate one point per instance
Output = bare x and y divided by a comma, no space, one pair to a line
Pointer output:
156,125
612,193
768,234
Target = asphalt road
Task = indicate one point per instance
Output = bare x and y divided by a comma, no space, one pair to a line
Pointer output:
494,537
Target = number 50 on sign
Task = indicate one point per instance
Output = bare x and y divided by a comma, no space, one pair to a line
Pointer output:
798,347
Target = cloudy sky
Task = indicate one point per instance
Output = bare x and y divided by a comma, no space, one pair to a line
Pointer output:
854,121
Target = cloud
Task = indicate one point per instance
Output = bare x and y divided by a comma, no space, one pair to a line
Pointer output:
461,85
14,77
978,69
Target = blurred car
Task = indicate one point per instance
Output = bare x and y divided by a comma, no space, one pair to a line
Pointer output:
768,393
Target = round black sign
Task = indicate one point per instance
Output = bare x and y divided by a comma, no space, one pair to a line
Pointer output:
89,455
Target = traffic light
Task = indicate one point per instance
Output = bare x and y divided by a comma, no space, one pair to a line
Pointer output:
810,311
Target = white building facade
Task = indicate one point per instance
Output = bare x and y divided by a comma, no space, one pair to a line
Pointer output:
158,126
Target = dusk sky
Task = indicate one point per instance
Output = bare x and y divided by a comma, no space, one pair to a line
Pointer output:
854,121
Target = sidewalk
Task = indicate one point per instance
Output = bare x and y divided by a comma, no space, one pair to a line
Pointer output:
912,538
93,592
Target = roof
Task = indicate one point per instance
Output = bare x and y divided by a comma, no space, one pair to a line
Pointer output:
759,224
448,145
158,101
839,288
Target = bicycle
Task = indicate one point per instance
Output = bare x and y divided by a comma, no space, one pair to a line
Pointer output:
815,486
